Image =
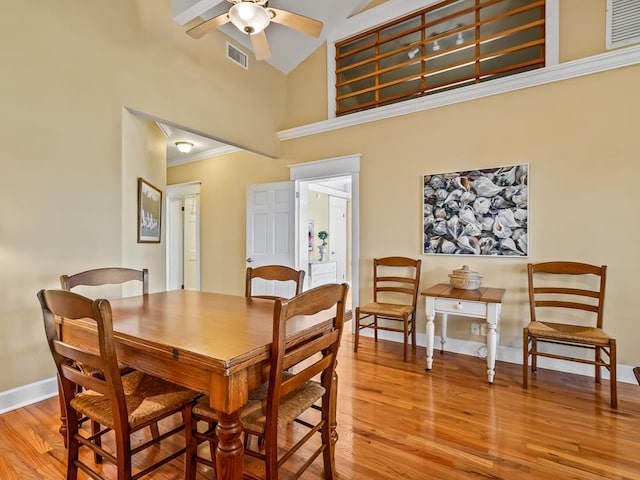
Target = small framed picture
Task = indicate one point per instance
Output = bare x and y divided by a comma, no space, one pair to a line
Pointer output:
149,212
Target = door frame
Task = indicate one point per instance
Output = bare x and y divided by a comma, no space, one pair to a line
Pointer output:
348,165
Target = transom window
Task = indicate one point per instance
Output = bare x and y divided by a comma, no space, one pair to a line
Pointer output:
451,44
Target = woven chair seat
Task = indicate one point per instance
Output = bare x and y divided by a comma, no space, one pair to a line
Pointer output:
253,416
386,309
291,407
147,397
575,333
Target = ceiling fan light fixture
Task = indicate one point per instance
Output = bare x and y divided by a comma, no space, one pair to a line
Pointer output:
184,147
249,17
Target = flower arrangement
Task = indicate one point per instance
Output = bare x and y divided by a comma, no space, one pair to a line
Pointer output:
323,235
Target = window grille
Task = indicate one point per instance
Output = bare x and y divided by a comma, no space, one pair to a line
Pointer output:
451,44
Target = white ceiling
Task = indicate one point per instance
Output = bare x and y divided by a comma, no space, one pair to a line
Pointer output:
203,147
289,47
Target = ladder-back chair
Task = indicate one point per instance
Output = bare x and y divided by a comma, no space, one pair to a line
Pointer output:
561,297
395,295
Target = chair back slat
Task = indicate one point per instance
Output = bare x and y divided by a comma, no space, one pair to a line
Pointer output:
106,276
562,304
78,355
88,382
305,375
273,273
567,291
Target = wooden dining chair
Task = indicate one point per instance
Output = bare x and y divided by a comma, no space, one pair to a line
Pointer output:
278,273
123,404
99,277
302,369
395,295
566,300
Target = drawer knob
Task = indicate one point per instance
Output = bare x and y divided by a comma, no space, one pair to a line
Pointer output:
459,306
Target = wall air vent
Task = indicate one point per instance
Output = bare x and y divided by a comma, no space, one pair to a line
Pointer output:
237,56
623,23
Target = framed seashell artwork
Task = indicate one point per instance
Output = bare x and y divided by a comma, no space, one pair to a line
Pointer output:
477,212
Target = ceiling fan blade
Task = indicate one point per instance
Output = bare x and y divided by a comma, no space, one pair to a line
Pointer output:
260,45
298,22
207,26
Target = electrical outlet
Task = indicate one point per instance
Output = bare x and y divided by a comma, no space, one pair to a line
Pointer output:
475,328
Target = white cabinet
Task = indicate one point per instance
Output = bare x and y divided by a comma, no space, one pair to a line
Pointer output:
321,273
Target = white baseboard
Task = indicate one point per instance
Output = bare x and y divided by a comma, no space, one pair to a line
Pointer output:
28,394
509,355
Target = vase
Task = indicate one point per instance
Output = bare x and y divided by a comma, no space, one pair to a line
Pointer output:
323,251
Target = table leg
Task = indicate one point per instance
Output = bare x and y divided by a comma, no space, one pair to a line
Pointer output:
333,424
443,336
430,329
493,316
230,451
491,351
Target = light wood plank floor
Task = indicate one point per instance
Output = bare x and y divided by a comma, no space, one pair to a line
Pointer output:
398,422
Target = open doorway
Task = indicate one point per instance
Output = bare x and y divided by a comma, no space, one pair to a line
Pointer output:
328,193
183,236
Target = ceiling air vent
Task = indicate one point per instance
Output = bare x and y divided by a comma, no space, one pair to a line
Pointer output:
237,56
623,23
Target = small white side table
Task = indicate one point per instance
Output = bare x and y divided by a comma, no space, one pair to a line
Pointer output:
483,303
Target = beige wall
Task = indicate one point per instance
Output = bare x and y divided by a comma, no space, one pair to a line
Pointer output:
144,155
222,212
69,68
580,141
578,137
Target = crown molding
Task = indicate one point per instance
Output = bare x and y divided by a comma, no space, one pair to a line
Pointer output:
165,129
216,152
577,68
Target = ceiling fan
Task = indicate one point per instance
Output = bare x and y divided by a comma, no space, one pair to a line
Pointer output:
252,17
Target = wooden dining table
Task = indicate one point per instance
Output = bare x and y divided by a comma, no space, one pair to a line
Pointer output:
212,343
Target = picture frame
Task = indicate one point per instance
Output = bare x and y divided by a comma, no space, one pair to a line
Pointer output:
480,212
149,212
310,233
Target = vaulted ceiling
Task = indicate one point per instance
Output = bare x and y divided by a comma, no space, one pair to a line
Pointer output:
289,47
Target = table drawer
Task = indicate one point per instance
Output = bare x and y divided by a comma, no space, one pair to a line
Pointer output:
461,307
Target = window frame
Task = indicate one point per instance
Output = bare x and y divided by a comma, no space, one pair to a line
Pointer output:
393,9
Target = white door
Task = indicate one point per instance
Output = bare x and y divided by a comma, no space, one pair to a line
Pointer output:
190,243
183,236
271,227
338,238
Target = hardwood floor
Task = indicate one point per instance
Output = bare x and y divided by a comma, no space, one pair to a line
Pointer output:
396,421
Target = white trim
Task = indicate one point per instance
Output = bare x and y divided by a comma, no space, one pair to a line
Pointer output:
28,394
322,168
504,354
552,29
333,192
577,68
216,152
